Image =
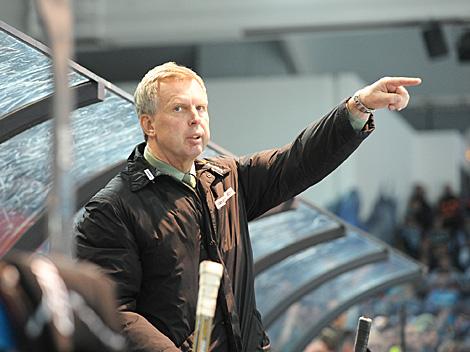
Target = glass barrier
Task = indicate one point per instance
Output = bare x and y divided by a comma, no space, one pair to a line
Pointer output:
290,329
25,74
278,282
272,233
104,134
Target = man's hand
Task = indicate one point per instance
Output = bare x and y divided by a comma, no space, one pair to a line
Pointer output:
388,92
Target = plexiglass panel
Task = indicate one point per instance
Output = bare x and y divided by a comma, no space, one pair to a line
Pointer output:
25,74
272,233
104,133
289,330
281,280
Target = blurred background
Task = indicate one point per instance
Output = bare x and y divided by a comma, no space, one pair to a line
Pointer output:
272,67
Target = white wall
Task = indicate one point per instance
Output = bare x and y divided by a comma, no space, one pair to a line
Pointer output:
437,156
258,113
14,13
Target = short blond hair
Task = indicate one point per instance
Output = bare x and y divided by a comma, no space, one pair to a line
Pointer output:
146,93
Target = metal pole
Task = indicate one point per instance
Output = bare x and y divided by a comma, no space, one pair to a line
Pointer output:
57,21
402,319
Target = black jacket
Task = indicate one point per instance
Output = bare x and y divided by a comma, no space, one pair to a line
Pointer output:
150,234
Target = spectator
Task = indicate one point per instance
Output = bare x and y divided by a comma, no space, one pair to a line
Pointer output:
419,210
450,210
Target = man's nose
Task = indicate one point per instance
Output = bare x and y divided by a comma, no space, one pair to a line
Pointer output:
195,119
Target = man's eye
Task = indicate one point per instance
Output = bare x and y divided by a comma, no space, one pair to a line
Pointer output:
178,108
201,108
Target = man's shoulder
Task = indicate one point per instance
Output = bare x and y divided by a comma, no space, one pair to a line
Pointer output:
221,160
115,190
220,164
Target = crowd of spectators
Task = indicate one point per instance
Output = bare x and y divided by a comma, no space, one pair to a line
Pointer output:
434,313
438,235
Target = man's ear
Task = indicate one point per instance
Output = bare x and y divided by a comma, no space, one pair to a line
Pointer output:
146,122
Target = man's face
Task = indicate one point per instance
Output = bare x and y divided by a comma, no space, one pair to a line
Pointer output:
179,131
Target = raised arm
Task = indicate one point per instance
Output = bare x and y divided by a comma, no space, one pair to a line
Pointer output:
271,177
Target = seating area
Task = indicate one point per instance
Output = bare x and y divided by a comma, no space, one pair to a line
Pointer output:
433,313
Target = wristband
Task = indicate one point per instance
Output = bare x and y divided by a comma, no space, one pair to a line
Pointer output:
360,106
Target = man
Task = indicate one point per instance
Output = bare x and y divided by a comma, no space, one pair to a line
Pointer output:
153,223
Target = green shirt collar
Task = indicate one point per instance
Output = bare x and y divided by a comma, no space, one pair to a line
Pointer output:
166,168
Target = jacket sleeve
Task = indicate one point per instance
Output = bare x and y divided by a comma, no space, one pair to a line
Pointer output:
143,336
102,237
270,177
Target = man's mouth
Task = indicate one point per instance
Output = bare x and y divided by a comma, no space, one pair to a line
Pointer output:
195,137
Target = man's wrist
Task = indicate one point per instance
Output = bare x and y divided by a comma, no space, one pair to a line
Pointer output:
357,118
360,106
354,110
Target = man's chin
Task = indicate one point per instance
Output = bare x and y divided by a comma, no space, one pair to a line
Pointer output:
196,152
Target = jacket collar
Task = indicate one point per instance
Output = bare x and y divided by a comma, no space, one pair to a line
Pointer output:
140,173
212,166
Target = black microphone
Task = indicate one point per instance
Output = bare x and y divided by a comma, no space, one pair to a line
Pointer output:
362,334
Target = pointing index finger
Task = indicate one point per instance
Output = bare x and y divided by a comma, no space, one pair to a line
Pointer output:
404,81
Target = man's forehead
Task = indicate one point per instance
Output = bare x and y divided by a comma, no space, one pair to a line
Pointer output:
174,81
173,88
